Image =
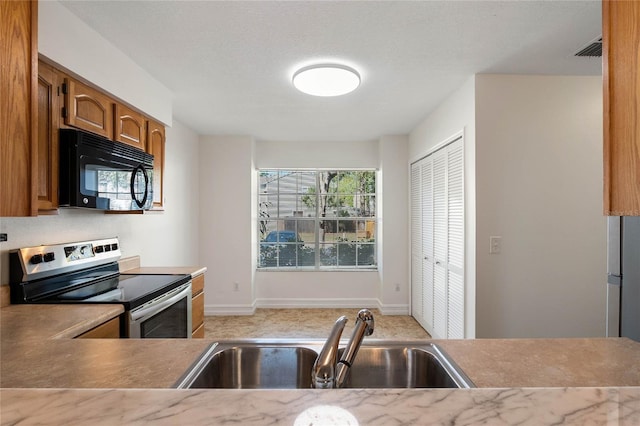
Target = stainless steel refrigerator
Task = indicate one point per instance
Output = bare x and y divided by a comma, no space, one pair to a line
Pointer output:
623,277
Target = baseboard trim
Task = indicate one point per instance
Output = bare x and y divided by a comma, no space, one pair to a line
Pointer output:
219,310
228,310
399,309
316,303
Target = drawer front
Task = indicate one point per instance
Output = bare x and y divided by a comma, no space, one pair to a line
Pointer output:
108,330
199,333
197,311
197,285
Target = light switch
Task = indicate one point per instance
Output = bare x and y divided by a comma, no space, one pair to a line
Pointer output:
495,245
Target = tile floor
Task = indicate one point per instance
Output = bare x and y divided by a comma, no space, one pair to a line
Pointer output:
307,323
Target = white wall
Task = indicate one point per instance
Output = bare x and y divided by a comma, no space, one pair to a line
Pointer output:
68,41
225,224
455,114
539,186
228,172
393,230
167,238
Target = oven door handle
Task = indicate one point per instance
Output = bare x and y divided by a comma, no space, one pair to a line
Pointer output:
161,303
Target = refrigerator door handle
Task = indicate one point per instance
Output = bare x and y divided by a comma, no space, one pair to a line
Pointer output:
613,305
614,279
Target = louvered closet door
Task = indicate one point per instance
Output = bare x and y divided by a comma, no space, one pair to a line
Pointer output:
416,244
455,241
437,242
427,243
440,244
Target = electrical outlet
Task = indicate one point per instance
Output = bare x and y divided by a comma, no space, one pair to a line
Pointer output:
495,245
3,237
236,286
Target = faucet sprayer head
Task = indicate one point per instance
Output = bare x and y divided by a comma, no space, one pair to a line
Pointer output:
366,316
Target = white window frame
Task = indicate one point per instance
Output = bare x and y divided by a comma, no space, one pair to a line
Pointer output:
317,266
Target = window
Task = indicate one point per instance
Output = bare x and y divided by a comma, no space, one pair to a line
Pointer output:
319,219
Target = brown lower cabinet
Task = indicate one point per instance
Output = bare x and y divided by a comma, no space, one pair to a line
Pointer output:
197,307
107,330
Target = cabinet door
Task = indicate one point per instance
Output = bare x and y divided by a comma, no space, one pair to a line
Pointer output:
621,67
18,107
129,126
197,306
155,147
87,109
48,130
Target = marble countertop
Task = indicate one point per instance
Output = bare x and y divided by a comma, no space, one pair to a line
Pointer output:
28,322
49,378
385,407
576,362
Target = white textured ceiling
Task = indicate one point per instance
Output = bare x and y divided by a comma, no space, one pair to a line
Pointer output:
229,63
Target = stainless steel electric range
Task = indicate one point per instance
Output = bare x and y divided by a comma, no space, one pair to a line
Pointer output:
156,306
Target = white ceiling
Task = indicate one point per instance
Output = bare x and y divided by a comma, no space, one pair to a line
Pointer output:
229,63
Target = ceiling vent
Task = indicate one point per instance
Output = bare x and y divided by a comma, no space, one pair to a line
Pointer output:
593,49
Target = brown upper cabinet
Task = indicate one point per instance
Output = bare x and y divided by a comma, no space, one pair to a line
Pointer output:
155,146
48,147
87,108
129,126
621,68
19,108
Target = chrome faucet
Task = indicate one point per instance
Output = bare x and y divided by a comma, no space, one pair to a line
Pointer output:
327,371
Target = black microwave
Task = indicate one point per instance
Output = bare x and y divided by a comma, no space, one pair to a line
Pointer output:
98,173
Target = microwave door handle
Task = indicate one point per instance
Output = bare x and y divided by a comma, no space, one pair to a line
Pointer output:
160,306
146,185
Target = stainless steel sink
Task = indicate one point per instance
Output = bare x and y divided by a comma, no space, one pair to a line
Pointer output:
286,364
402,366
248,366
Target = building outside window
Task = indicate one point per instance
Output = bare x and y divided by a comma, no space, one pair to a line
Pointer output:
317,219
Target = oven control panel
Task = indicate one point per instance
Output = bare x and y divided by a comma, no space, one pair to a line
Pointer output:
43,261
78,252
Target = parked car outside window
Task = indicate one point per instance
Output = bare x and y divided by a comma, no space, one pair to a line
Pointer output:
283,237
284,248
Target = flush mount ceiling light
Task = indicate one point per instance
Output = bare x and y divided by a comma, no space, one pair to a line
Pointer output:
326,80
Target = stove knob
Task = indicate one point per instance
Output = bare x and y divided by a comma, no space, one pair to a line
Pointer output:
35,259
49,257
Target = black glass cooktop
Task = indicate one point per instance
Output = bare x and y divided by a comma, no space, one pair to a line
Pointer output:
129,290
